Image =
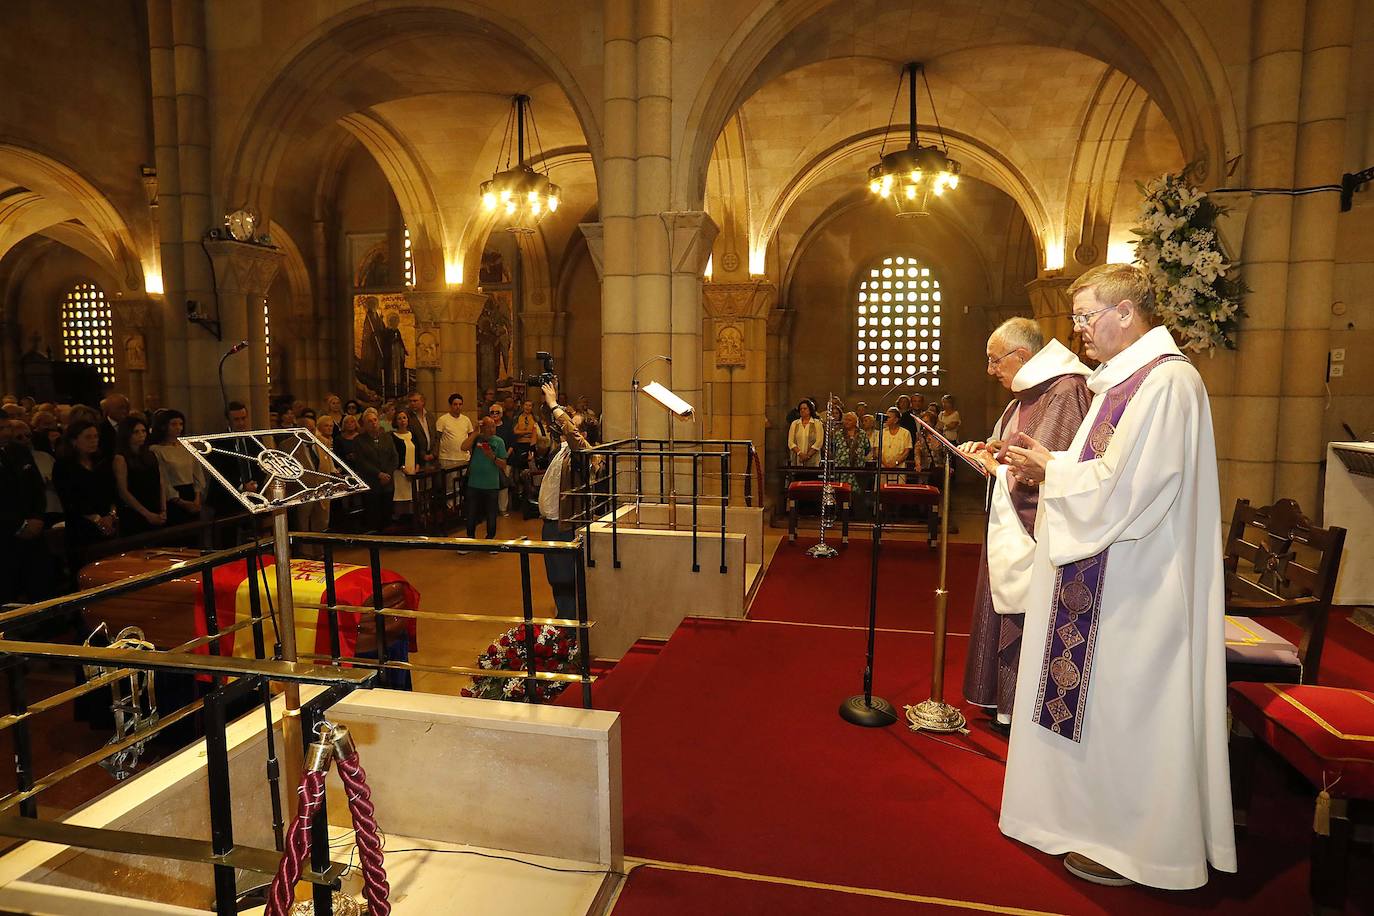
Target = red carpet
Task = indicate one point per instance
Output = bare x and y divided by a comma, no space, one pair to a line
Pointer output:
659,892
806,590
734,758
615,681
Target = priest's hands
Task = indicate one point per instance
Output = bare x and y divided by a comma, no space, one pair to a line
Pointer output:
1027,459
981,452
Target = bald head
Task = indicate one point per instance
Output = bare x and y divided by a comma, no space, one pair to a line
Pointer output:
1019,332
115,407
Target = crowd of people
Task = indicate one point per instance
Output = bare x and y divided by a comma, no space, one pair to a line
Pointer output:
76,478
857,441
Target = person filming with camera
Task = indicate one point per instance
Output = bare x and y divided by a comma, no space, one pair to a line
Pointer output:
556,511
484,475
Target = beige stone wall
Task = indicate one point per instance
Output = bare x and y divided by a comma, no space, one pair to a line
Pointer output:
738,128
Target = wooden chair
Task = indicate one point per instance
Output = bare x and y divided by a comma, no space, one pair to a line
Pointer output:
1278,564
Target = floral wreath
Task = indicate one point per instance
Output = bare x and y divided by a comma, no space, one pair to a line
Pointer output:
555,650
1196,289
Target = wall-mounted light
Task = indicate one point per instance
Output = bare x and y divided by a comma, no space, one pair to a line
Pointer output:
1054,256
758,261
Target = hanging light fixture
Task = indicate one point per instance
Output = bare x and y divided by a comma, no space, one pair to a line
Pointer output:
908,177
518,192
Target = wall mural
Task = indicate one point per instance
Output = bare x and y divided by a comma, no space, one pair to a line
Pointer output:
383,347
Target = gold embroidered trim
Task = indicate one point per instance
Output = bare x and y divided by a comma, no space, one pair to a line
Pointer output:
1278,691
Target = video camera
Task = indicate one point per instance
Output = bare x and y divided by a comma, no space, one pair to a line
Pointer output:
535,382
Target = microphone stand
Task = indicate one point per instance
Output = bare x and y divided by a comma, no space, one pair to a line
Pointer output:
865,709
223,390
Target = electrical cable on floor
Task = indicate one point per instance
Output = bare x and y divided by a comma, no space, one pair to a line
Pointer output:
488,855
962,747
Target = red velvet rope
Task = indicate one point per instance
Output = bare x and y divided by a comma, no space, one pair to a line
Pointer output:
367,837
283,891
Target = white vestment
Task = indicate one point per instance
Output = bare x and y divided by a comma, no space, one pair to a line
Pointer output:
1011,552
1146,792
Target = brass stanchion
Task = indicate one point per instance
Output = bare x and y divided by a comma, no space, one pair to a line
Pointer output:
934,714
293,755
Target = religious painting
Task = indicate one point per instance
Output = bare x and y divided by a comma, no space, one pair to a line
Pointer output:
368,260
494,331
493,269
384,347
427,350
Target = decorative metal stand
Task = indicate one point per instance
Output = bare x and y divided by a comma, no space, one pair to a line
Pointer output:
821,550
134,701
934,714
288,481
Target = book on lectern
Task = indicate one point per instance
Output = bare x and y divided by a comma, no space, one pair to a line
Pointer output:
954,449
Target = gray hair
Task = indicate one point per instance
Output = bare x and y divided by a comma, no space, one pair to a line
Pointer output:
1020,332
370,410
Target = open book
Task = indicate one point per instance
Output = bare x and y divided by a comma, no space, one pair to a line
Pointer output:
954,449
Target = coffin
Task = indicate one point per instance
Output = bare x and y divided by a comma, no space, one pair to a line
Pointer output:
170,614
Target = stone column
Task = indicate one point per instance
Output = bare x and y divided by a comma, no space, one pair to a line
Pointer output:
736,357
690,236
454,314
544,330
779,323
1052,307
244,272
612,241
134,329
1312,253
653,194
1270,148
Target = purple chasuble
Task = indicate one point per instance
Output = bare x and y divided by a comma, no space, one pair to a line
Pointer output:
1063,694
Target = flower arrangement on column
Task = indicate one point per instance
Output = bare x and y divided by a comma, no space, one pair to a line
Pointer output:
555,650
1196,286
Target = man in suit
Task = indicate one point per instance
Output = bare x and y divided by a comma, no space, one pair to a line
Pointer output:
421,428
374,458
115,409
233,459
22,504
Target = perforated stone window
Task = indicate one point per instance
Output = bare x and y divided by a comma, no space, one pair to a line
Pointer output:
898,324
267,337
408,260
88,329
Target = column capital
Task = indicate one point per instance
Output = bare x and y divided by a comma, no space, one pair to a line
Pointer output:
738,300
1049,296
780,322
433,307
243,267
595,233
691,233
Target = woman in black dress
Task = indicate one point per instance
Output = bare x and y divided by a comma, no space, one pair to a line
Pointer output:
138,480
86,485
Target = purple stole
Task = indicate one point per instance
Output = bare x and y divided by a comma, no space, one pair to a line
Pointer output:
1063,693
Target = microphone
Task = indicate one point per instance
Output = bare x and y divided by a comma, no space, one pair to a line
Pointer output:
224,391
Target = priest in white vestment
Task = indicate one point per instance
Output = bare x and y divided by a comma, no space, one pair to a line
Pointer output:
1118,752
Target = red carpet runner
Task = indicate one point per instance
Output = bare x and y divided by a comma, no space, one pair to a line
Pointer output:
735,759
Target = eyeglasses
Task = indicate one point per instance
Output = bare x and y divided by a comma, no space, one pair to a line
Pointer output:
992,362
1082,319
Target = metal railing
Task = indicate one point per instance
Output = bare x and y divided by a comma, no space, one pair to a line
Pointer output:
232,682
652,470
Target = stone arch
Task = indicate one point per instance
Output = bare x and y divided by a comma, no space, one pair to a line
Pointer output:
1171,67
293,269
56,195
855,200
988,164
325,54
419,204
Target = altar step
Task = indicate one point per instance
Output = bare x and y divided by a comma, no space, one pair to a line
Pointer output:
617,680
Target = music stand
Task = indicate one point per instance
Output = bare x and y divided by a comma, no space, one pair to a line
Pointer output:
288,482
680,409
934,714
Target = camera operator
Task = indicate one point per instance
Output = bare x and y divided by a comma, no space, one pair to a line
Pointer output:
484,474
553,509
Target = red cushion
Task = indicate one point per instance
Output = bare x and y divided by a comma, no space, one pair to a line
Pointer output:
1327,733
811,489
911,494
